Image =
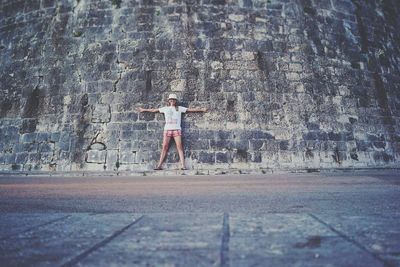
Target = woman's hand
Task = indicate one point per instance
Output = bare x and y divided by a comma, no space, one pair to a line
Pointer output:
204,109
139,109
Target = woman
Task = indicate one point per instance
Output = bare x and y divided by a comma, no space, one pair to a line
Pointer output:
172,128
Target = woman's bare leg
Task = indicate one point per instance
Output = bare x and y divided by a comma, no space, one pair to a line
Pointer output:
164,150
179,146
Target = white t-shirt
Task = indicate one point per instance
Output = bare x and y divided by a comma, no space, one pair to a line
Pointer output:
172,117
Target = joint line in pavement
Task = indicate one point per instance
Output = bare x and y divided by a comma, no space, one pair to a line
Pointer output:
224,252
34,227
351,240
81,256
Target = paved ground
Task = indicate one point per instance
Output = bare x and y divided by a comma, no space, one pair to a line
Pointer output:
334,219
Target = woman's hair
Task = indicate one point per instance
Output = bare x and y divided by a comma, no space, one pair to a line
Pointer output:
176,104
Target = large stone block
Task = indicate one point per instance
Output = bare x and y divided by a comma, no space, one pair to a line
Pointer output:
25,147
46,147
112,160
9,158
128,157
101,113
96,156
196,144
21,158
28,137
205,157
223,157
128,135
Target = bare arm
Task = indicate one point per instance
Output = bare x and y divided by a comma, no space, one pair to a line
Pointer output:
153,110
196,110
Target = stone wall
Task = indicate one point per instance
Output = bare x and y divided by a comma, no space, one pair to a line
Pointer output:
290,84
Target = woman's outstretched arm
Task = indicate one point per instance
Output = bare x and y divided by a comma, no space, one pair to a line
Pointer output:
148,110
196,110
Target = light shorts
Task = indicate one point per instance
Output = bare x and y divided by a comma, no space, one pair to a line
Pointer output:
172,133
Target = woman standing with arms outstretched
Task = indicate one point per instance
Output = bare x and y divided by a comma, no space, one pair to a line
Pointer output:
172,128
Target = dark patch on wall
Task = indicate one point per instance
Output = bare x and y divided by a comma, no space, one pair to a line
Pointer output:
116,3
374,138
148,86
145,18
379,145
355,65
314,135
308,8
16,167
32,105
206,157
308,153
222,157
5,107
263,64
256,157
217,2
354,156
31,111
312,126
248,3
381,95
390,12
28,126
84,101
341,136
382,99
383,156
284,145
230,106
352,120
363,145
338,156
311,26
361,28
241,155
231,115
81,128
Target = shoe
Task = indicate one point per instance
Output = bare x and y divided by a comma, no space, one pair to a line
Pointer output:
158,168
182,169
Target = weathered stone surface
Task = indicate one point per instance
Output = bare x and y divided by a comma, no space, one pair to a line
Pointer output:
97,146
301,84
96,156
101,113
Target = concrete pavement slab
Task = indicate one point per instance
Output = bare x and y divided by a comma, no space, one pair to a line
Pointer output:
272,220
57,243
16,223
202,239
377,234
290,240
169,239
